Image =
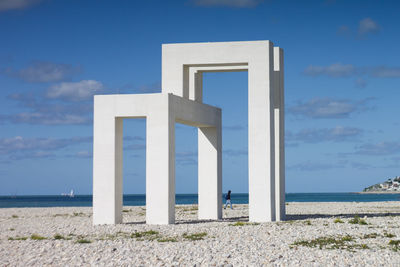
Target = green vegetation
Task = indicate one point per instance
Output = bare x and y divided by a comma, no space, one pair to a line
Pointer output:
338,220
331,242
147,234
37,237
372,235
79,214
127,210
167,239
389,235
14,216
242,224
83,241
12,229
58,237
395,245
307,222
18,238
358,220
237,224
195,236
60,215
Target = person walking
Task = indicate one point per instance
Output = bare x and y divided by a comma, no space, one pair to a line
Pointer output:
228,200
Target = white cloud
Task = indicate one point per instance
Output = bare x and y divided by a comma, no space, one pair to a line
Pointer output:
336,134
313,166
333,70
228,3
18,147
360,83
367,26
47,113
327,108
45,118
75,91
6,5
386,72
346,70
382,148
42,71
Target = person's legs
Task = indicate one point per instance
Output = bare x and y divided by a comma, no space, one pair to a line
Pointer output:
226,204
230,203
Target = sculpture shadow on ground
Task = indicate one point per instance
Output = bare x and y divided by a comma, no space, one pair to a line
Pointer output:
294,217
196,221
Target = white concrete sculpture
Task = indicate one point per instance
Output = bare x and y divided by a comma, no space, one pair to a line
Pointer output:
181,101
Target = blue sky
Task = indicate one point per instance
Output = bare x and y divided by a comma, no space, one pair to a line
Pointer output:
342,75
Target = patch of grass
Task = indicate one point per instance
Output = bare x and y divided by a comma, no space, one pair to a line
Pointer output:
12,229
358,220
287,204
141,213
127,210
395,245
18,238
14,216
78,214
243,223
307,222
83,241
60,215
390,235
167,239
58,237
347,238
144,234
372,235
338,220
195,236
237,224
37,237
331,242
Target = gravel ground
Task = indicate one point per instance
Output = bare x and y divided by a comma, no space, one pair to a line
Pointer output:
314,234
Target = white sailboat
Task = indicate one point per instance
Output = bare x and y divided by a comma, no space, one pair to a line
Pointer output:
71,194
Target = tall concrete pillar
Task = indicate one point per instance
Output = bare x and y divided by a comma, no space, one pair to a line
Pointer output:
210,172
160,166
261,137
279,113
107,166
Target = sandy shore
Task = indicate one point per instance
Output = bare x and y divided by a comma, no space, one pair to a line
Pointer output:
316,234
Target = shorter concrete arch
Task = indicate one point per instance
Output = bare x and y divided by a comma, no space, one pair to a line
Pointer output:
161,111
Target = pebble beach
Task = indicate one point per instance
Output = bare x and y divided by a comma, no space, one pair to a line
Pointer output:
314,234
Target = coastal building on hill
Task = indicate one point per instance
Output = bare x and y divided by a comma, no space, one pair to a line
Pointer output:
390,185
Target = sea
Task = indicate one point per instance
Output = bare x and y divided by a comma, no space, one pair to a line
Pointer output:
140,200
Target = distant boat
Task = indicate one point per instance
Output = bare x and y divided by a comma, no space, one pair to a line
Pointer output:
71,194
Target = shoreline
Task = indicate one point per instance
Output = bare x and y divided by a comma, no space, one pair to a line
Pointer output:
379,192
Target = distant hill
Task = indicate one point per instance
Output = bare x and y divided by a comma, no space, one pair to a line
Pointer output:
390,185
